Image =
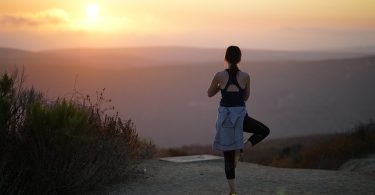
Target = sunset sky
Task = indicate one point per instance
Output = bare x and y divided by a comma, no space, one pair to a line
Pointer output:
263,24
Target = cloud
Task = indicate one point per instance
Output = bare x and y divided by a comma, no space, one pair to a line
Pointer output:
43,18
330,30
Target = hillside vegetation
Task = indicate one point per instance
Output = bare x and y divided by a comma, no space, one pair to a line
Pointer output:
322,152
63,145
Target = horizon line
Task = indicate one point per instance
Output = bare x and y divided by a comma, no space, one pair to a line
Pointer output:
332,49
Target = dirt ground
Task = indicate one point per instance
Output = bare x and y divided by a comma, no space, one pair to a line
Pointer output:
207,177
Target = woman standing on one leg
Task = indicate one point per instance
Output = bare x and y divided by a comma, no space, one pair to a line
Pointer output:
232,118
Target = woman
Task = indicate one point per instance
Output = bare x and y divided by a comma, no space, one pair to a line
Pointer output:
232,117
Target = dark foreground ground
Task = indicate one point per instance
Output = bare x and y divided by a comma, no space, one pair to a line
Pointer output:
160,177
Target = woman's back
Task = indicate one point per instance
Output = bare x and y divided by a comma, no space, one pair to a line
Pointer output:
242,78
234,87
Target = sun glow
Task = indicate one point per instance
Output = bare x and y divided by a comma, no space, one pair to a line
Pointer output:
92,22
92,11
96,18
273,24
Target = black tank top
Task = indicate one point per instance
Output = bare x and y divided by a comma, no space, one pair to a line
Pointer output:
232,98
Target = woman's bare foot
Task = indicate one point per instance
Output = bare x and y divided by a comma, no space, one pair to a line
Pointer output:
247,146
238,155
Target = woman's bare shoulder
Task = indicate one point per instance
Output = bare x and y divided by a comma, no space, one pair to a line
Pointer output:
220,74
244,74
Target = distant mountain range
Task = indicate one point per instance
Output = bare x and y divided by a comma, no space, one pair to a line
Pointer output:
163,89
361,49
140,56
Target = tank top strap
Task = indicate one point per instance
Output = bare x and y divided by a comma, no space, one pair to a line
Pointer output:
232,80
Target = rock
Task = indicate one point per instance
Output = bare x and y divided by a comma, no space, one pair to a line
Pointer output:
363,165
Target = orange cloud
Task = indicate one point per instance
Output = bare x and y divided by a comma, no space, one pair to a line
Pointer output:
51,17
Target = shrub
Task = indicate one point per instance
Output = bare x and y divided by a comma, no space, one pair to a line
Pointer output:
62,146
356,143
332,153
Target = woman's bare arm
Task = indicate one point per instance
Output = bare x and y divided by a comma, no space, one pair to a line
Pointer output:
247,88
214,87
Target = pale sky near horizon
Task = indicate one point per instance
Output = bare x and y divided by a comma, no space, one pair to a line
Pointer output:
262,24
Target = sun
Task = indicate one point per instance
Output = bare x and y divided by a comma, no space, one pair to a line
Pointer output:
92,11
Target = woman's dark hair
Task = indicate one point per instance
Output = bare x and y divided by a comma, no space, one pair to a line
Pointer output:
233,57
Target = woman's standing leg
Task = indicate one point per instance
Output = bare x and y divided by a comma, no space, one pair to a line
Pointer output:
259,130
230,169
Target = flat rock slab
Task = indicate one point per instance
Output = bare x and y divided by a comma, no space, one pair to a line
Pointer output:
193,158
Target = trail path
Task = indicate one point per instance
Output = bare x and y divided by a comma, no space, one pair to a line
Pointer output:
208,178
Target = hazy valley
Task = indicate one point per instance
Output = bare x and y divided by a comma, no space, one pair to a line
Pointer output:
164,89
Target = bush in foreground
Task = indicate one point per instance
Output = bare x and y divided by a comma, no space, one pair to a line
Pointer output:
61,146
